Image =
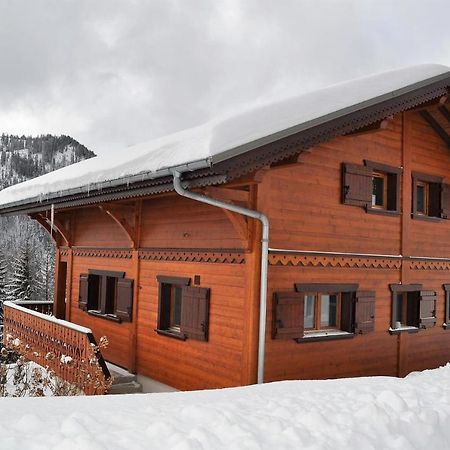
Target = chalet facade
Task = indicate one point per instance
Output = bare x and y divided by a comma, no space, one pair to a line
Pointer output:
354,279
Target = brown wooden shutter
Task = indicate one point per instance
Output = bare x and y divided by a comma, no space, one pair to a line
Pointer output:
288,313
427,309
365,312
195,313
445,201
124,299
83,292
357,185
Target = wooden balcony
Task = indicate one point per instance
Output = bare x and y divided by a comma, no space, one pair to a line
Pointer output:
42,306
68,349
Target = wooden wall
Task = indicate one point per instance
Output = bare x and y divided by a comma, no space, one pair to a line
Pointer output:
174,223
303,203
305,211
118,335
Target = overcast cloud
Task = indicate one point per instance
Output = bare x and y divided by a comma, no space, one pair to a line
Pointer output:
112,73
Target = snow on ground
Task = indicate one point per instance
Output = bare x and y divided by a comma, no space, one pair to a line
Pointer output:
209,141
361,413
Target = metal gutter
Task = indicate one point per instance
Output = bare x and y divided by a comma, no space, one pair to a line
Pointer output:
264,257
110,184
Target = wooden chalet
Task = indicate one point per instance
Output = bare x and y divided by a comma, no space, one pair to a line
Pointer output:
301,240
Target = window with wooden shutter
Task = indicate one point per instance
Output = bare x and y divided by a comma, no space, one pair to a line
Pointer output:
427,309
445,201
447,307
124,299
106,294
385,188
83,292
356,185
427,196
364,312
195,312
288,315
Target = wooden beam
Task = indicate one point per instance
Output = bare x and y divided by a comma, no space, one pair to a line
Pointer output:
377,126
117,214
445,112
227,194
293,160
240,224
435,102
57,235
436,126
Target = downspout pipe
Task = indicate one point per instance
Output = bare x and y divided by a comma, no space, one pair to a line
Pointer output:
264,257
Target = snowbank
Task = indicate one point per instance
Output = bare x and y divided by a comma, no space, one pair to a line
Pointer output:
362,413
210,141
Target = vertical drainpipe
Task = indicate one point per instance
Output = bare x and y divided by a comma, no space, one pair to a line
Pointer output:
264,257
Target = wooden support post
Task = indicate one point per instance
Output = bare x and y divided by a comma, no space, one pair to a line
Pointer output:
133,329
69,289
252,298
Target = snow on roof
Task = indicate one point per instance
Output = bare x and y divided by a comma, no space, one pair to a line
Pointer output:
207,143
351,414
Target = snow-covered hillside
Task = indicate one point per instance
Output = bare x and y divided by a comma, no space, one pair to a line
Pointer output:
24,157
360,414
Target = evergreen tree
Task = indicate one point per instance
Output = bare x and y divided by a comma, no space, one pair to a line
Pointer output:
20,284
3,284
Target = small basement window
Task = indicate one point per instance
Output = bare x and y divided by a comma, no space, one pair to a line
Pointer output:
106,294
323,311
183,310
373,186
412,308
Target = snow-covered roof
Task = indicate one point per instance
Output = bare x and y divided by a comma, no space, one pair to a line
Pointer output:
222,138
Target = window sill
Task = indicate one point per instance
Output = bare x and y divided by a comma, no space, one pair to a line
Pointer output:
383,212
111,317
172,334
403,329
425,218
317,336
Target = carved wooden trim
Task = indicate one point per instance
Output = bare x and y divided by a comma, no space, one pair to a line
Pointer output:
180,255
353,262
103,253
430,265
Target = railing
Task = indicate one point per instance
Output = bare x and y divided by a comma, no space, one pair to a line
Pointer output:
67,349
42,306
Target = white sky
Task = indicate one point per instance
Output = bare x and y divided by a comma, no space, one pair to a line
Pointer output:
112,73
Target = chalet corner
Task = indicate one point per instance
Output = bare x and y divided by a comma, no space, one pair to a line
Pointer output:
164,250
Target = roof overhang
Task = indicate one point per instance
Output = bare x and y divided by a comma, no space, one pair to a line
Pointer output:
247,158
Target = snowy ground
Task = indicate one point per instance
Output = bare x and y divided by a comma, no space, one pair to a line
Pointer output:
365,413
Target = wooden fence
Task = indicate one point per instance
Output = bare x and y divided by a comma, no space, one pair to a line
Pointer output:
44,307
66,348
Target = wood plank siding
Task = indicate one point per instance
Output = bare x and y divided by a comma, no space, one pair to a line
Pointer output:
305,212
174,237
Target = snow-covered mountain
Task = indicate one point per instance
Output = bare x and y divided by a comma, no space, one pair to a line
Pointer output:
25,157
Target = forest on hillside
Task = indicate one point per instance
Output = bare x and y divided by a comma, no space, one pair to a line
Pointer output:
26,250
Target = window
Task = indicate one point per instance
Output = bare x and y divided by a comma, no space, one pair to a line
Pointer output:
447,307
412,308
374,186
106,294
430,197
323,311
183,310
379,190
